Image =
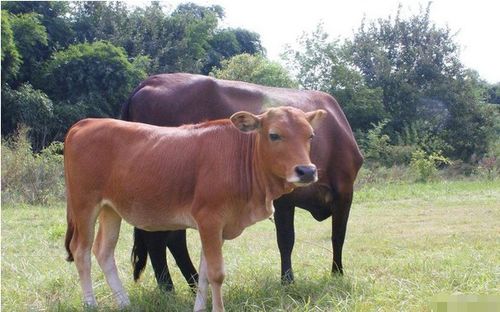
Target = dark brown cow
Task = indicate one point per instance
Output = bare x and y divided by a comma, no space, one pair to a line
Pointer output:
218,177
175,99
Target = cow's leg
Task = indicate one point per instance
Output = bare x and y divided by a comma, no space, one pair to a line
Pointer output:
156,243
81,245
285,232
104,250
178,247
341,208
202,293
211,242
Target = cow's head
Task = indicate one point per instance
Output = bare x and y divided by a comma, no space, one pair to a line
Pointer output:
284,137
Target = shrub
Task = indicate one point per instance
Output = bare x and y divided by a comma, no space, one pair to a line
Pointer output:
97,74
399,154
30,107
488,166
425,166
254,69
32,178
375,144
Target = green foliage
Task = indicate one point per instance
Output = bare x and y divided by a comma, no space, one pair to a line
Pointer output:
188,31
40,28
404,70
27,177
96,75
321,64
95,20
30,107
421,134
229,42
493,93
88,56
375,145
490,166
417,66
31,38
11,59
55,16
425,166
57,232
255,69
406,58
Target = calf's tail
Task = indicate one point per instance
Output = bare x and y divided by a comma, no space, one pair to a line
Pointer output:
139,254
69,235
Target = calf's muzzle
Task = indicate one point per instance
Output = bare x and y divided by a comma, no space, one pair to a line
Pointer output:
306,173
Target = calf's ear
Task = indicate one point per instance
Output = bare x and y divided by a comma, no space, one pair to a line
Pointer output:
315,117
245,121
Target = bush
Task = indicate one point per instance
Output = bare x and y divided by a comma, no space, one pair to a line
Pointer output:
254,69
425,166
375,144
30,107
489,167
97,74
399,154
32,178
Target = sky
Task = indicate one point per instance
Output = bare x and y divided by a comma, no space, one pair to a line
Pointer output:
280,22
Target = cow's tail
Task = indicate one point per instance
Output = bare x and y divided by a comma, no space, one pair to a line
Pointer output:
139,255
69,235
124,115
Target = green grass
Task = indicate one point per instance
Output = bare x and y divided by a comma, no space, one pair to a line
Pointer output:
406,243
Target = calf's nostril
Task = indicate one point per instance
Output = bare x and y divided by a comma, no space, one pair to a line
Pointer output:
300,171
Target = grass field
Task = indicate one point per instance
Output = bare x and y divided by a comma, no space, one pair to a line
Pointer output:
405,244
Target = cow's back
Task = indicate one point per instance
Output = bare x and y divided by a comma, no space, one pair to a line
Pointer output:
122,164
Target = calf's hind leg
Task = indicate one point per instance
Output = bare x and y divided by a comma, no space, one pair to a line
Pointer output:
80,246
104,250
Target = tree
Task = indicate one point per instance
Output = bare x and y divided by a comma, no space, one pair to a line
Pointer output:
417,66
256,69
88,80
493,93
188,32
406,58
31,38
11,59
29,107
321,64
55,16
94,21
229,42
39,29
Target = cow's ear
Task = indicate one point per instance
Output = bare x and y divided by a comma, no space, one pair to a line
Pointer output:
315,117
245,121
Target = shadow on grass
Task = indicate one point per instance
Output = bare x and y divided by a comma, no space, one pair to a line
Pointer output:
258,293
267,294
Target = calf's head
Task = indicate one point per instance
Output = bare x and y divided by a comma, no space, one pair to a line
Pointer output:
283,141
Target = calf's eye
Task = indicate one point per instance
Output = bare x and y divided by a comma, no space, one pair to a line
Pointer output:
274,137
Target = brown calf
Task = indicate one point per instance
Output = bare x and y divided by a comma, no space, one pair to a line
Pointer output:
218,177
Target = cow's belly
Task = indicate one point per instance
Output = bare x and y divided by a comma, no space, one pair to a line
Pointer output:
169,223
155,218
